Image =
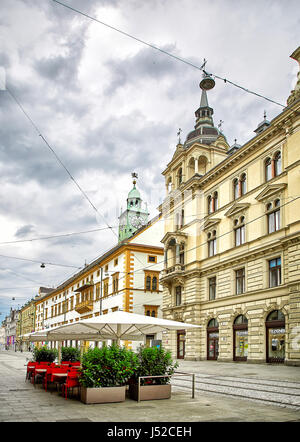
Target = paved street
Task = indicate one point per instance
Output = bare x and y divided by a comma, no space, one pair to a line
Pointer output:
272,395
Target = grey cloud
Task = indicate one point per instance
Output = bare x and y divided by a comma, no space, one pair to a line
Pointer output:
24,231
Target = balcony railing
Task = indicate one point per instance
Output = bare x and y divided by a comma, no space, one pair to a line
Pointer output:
84,306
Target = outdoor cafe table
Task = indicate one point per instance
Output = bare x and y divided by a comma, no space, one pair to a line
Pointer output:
39,370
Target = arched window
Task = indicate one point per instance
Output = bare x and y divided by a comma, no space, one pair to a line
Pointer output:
215,201
273,215
268,169
236,188
275,328
209,204
212,339
241,319
277,163
243,184
276,315
213,323
240,338
239,231
212,243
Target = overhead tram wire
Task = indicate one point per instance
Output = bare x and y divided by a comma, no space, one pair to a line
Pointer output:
57,157
165,52
38,262
53,236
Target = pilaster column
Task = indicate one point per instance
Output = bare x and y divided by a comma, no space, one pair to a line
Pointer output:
196,165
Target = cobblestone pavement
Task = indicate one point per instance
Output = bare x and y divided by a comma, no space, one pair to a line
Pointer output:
20,401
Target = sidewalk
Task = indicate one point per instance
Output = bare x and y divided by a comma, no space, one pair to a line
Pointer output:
21,402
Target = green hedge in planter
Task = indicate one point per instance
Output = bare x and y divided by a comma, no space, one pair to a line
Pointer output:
44,354
107,367
71,354
154,361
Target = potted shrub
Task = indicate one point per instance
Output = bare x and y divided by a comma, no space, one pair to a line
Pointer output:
152,361
70,354
44,354
104,374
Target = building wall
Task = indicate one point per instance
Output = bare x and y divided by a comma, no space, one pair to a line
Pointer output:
258,298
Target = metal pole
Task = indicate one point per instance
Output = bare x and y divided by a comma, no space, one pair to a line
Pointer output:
101,279
139,386
193,386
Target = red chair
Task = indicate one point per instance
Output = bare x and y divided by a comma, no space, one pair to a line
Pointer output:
47,377
76,364
30,369
38,366
58,380
71,382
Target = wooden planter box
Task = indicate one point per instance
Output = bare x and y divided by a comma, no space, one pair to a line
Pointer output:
150,392
103,395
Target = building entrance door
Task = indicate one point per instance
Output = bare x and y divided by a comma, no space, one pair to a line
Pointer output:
180,344
275,334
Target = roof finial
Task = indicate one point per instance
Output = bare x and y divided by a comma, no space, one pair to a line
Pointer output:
135,177
220,125
178,135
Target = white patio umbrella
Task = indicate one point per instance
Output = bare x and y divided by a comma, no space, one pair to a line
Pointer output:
116,326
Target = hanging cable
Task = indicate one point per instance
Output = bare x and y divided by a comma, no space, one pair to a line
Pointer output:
165,52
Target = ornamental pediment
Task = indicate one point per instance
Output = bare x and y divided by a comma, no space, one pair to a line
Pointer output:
270,190
210,223
236,208
177,236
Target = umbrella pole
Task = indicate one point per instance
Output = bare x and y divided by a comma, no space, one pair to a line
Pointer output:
59,352
118,334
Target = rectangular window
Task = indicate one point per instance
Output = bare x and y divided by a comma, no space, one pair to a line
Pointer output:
105,287
115,283
152,258
275,272
178,295
212,283
240,281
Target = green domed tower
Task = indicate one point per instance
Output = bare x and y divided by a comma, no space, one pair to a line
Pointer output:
134,217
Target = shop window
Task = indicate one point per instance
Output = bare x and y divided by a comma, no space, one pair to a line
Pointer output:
240,338
275,328
213,339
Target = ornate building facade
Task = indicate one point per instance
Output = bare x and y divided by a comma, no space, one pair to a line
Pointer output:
232,240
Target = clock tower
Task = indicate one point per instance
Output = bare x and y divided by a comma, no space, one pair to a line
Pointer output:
134,217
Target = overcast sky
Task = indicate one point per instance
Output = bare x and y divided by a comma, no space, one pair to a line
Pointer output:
109,105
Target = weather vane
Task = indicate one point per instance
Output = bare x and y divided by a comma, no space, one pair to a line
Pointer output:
220,125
